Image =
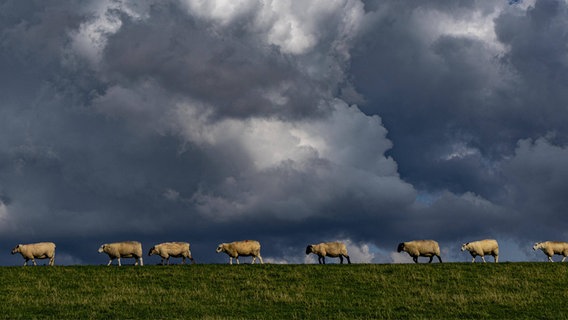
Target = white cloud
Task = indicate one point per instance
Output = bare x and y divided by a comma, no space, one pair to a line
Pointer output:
476,24
401,257
295,27
359,253
90,39
222,11
275,260
347,138
344,151
459,151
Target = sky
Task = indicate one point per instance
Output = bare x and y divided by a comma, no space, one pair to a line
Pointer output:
289,122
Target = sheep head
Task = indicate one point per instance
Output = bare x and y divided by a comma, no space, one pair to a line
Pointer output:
16,249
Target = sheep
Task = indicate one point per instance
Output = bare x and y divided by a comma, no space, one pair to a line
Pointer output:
421,248
32,251
551,248
125,249
244,248
481,248
331,249
172,249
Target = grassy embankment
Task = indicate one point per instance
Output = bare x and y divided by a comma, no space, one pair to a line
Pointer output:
453,290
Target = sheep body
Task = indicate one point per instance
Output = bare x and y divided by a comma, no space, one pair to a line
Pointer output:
32,251
421,248
125,249
551,248
330,249
481,248
244,248
172,249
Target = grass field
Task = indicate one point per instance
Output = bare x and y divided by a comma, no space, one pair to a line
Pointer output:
435,291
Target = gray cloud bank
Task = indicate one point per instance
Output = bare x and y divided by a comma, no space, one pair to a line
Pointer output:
288,122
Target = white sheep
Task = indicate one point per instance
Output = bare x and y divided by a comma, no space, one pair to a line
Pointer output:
32,251
331,249
551,248
421,248
172,249
244,248
481,248
125,249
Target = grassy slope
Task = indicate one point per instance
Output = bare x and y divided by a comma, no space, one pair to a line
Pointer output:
518,290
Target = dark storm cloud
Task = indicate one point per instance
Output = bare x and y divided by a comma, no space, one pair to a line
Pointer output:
183,120
227,72
457,103
436,92
455,90
538,58
537,177
134,124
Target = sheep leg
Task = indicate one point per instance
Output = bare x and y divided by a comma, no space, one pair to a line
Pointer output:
431,258
109,262
142,261
550,259
253,259
230,260
26,262
52,261
182,260
415,259
162,261
473,259
119,264
483,258
237,258
563,259
341,259
348,260
496,257
260,258
33,260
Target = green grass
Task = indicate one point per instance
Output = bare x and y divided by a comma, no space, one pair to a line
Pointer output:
435,291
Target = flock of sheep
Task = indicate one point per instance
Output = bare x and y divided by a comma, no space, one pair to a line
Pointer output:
247,248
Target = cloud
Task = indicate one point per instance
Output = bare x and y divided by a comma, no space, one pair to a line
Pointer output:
294,28
536,177
205,127
359,253
371,121
401,257
286,160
